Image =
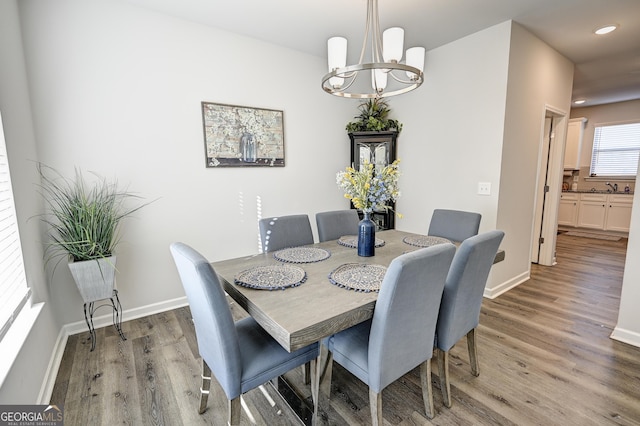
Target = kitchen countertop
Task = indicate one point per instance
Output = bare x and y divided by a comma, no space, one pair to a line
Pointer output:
588,191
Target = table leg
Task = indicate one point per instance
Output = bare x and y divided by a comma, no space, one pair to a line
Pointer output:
321,385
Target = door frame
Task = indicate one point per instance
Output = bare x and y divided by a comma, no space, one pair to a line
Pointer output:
548,139
546,206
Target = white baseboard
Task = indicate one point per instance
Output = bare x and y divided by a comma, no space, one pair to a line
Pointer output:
492,293
52,369
143,311
626,336
102,321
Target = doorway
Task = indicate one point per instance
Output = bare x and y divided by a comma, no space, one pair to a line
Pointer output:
548,186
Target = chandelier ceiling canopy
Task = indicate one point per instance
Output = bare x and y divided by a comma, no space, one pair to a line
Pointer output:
381,74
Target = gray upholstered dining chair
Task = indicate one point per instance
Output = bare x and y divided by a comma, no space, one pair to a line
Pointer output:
280,232
335,224
461,302
400,335
454,225
242,355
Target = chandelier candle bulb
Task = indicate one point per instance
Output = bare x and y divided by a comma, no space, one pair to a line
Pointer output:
337,58
392,44
378,80
337,48
415,58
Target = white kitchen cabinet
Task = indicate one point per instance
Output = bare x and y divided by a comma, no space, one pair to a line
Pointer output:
607,212
568,209
573,147
592,211
618,212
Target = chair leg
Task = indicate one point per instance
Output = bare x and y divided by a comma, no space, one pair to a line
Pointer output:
204,389
443,373
427,390
375,402
473,352
235,406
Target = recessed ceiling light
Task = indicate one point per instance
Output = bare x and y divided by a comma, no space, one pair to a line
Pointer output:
579,101
606,30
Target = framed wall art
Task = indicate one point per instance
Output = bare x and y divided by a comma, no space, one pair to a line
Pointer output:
239,136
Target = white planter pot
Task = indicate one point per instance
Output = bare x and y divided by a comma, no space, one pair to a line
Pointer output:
95,278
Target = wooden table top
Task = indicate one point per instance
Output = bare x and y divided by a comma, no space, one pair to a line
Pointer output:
299,316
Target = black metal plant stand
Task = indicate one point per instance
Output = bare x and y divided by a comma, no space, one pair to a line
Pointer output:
90,308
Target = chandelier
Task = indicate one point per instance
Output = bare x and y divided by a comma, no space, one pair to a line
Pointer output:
387,76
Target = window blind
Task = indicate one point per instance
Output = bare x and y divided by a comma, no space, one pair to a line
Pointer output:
616,149
14,291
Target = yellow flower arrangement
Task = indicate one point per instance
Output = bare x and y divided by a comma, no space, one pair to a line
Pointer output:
368,188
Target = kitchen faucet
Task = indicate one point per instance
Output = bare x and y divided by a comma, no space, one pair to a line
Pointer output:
614,186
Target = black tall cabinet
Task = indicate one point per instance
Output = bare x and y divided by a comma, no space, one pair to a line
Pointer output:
378,148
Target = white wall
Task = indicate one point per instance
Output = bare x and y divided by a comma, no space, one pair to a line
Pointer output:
452,134
479,118
116,89
24,380
539,78
628,326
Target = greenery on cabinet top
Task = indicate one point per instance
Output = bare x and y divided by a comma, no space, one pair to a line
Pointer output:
373,117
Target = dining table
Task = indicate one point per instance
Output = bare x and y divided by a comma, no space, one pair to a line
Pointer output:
301,295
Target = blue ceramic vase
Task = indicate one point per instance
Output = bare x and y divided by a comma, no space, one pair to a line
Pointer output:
366,236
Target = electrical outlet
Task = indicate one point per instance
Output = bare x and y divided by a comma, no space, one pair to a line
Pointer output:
484,188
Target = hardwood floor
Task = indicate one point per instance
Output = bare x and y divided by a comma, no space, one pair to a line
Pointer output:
544,350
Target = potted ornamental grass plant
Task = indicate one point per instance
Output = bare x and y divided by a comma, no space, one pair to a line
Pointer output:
82,221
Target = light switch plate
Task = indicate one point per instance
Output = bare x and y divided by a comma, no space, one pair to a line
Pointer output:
484,188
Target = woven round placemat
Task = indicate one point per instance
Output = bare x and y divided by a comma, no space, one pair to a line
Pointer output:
301,254
271,277
352,241
424,240
358,276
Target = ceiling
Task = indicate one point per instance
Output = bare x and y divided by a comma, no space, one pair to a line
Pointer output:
607,67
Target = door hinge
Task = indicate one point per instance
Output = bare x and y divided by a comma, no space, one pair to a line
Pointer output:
546,188
541,240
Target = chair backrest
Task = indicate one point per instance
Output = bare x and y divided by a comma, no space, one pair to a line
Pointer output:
285,231
215,329
464,289
404,319
335,224
454,225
